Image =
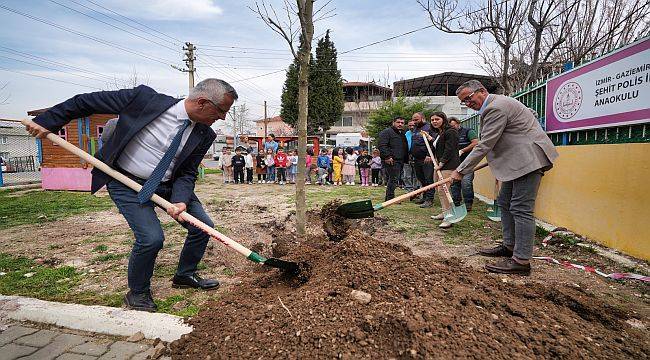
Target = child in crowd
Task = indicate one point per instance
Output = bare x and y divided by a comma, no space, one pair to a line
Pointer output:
337,165
238,165
308,165
293,166
330,169
375,167
226,165
281,163
364,167
349,166
323,163
270,166
260,167
249,167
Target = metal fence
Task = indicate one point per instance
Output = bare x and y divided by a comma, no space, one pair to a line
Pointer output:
534,97
20,155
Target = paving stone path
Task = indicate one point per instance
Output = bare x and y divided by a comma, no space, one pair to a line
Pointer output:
25,342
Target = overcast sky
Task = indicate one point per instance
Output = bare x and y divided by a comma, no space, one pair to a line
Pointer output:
54,39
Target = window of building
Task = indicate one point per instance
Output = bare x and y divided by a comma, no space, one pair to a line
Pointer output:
100,130
345,121
4,140
63,133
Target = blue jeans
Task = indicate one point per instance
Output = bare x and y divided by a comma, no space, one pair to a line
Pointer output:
149,234
466,187
270,173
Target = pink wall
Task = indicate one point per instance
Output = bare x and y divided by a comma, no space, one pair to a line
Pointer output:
65,179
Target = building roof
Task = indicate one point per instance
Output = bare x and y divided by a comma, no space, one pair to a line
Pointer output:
362,84
273,119
10,123
443,84
37,111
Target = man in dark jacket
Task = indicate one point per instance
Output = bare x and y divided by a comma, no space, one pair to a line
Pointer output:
159,142
393,150
423,165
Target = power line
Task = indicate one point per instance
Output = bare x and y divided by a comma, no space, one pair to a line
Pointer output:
49,78
113,26
259,76
79,33
415,30
51,68
175,42
139,23
22,53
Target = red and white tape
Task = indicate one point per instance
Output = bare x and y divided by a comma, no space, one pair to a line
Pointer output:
616,276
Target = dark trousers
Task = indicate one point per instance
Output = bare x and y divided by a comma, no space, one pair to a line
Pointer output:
424,173
463,190
149,234
282,174
261,177
393,173
375,176
249,175
517,202
239,175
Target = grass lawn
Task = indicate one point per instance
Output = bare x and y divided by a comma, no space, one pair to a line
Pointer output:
409,217
43,206
22,276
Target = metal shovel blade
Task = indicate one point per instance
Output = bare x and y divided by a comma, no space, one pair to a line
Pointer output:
456,214
287,266
356,210
494,212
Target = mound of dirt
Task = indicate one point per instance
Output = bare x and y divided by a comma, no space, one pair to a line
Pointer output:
366,298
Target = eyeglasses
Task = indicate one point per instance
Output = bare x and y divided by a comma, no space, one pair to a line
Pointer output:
467,98
217,106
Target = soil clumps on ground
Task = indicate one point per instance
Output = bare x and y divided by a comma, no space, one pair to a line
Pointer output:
365,298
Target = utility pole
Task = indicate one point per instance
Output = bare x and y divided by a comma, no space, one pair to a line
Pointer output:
234,126
189,62
265,120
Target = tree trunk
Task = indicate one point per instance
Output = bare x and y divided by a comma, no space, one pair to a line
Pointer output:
303,101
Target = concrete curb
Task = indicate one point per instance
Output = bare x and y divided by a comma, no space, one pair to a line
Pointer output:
98,319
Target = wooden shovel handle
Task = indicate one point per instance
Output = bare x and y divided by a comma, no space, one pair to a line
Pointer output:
423,189
445,188
136,187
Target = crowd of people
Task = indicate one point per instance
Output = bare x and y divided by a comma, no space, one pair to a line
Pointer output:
429,150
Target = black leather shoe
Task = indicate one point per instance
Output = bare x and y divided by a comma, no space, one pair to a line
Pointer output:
194,281
419,201
140,302
508,266
426,204
497,251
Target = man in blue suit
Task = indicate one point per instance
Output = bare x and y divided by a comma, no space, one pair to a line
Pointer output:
158,141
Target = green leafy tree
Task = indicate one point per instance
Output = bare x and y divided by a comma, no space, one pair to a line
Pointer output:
325,89
326,101
383,117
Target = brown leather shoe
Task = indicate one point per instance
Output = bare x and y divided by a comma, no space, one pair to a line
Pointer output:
497,251
508,266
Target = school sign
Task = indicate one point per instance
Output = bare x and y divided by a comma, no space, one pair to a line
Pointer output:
611,91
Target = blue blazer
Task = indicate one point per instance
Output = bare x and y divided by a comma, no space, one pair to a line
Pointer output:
136,107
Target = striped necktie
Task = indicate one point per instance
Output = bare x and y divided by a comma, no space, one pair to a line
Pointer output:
150,186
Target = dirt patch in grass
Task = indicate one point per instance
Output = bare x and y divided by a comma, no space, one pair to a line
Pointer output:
368,298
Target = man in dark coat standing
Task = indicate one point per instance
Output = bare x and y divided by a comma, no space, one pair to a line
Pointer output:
393,150
159,142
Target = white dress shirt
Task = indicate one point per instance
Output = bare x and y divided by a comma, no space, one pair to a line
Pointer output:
143,153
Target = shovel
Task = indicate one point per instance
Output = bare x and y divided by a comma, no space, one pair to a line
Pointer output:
453,213
288,266
364,208
493,211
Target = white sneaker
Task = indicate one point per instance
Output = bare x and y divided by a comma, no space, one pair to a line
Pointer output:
438,217
445,225
352,183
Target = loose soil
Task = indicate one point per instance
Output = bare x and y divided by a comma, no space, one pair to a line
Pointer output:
420,307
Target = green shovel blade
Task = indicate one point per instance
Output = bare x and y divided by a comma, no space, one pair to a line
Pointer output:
456,214
494,212
356,210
